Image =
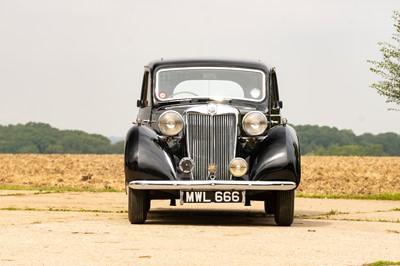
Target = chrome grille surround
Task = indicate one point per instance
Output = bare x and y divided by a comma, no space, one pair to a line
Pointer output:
211,137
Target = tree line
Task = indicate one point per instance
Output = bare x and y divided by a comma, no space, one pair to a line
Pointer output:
314,140
42,138
323,140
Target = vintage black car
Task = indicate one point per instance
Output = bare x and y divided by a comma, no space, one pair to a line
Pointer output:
211,131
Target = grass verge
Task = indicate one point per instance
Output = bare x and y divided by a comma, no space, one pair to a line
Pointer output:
60,189
382,263
58,210
384,196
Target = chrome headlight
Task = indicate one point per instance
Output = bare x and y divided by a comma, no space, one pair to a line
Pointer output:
254,123
170,123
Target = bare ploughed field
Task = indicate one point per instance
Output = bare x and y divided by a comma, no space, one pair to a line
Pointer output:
91,228
320,175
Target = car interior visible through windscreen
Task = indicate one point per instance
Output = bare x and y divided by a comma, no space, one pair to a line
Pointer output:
202,82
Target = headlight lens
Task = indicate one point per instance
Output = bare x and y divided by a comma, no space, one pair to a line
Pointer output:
170,123
254,123
238,167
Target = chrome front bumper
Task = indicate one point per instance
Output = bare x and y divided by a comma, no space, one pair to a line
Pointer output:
211,185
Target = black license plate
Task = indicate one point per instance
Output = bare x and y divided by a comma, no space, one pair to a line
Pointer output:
212,196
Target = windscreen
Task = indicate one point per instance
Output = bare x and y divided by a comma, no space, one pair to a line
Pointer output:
205,82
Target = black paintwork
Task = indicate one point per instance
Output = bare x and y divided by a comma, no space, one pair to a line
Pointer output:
277,157
151,156
147,156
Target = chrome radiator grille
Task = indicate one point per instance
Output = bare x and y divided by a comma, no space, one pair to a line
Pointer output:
211,139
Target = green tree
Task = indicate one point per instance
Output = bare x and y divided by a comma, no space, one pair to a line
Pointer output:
317,140
390,143
388,69
117,147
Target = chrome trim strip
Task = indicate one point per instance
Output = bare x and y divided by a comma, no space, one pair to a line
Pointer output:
211,185
220,109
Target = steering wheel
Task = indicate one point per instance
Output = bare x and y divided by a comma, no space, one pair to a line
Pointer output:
182,92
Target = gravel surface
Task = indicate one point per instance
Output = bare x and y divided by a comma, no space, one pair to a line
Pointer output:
92,228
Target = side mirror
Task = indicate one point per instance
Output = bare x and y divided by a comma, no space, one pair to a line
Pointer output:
142,103
278,105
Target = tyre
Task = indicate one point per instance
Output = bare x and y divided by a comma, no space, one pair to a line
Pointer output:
148,202
284,208
137,206
270,205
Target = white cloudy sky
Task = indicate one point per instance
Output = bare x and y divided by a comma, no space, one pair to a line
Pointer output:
77,64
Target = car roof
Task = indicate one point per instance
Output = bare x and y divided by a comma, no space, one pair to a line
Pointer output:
209,62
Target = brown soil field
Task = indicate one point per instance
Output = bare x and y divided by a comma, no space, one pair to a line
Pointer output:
320,175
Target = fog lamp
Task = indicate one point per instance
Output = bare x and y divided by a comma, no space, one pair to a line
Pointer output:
238,167
186,165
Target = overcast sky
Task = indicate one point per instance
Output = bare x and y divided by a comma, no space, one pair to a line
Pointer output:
78,64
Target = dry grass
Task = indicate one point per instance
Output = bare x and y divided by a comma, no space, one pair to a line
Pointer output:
320,175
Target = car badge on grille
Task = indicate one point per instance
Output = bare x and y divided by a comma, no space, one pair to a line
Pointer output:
212,109
212,168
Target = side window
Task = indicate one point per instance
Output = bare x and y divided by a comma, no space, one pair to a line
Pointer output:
148,94
276,103
145,95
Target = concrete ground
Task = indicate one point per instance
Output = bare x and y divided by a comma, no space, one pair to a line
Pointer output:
83,228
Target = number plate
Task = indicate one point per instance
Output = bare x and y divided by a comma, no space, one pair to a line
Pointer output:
212,197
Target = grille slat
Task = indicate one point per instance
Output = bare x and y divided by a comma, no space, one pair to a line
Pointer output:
211,139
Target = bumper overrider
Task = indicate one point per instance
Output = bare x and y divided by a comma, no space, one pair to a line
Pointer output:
210,185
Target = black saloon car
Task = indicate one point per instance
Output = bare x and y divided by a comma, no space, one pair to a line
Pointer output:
211,131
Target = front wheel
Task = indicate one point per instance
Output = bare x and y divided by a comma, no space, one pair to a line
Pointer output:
137,206
269,207
284,208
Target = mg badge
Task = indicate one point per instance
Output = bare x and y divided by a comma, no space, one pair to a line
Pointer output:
212,109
